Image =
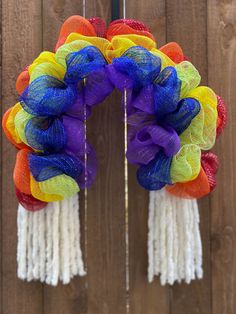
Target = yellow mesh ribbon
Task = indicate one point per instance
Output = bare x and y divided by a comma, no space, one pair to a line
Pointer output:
10,123
61,185
37,192
120,43
65,49
46,68
189,76
186,164
202,130
21,119
101,43
45,56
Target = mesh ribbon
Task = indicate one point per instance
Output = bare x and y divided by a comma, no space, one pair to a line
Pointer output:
127,26
156,174
171,118
48,96
44,167
162,93
77,24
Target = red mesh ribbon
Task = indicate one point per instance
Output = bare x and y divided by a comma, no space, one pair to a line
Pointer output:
99,26
128,26
210,164
222,115
29,202
137,25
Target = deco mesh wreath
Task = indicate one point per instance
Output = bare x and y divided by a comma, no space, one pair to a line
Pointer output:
173,123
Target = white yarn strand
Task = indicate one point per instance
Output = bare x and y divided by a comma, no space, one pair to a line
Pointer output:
157,238
78,252
29,244
22,226
175,244
64,240
163,257
35,246
180,231
55,243
174,241
169,241
49,243
151,220
198,242
48,232
42,244
72,242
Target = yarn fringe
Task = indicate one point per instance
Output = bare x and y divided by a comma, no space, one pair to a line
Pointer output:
49,243
174,241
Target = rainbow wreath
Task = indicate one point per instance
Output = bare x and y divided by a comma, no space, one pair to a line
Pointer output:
173,123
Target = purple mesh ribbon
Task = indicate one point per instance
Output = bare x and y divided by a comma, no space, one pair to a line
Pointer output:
59,109
149,140
156,114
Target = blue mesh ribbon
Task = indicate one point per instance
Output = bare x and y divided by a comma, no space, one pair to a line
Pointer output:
166,92
44,167
156,174
180,119
46,134
48,96
137,65
81,63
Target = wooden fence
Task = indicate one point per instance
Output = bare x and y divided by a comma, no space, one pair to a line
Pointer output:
206,29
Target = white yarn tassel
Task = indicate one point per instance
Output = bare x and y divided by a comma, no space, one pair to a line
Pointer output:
49,243
174,241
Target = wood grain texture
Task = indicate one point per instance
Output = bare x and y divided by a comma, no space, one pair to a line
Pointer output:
106,213
1,134
143,295
106,207
55,12
70,298
101,8
187,25
206,31
152,13
222,76
21,42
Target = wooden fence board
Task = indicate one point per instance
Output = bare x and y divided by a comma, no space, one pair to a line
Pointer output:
222,77
106,233
143,295
21,42
1,134
206,31
70,298
106,207
187,25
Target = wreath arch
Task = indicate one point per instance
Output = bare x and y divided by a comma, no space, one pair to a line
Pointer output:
173,122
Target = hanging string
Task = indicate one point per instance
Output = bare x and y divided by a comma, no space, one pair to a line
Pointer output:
84,8
85,172
126,190
124,9
126,194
